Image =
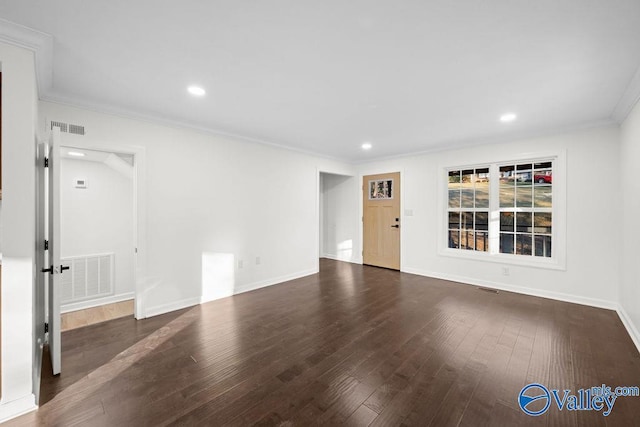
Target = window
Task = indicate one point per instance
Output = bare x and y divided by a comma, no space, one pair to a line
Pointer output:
504,210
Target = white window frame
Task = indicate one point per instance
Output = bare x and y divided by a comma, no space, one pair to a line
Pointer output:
557,261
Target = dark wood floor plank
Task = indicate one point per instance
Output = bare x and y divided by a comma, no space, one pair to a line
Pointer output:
351,345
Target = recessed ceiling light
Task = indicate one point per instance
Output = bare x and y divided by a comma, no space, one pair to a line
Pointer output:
76,154
366,146
508,117
196,91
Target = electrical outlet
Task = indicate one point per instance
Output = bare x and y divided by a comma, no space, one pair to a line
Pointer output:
258,260
240,264
505,271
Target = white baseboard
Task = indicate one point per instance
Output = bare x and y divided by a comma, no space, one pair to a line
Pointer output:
172,306
189,302
274,281
15,408
82,305
631,327
338,258
576,299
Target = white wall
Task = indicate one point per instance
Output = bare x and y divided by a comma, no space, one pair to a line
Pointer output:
18,226
630,186
99,218
593,216
212,200
339,224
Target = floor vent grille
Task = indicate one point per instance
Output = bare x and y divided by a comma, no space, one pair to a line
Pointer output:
493,291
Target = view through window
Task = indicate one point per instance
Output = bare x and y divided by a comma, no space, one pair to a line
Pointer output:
522,203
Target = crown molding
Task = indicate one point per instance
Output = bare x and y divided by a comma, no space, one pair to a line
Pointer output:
104,108
628,100
41,44
459,144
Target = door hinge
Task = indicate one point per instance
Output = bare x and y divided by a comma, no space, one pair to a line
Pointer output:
46,328
46,162
46,245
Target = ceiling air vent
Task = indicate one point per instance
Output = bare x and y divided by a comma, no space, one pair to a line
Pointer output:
69,128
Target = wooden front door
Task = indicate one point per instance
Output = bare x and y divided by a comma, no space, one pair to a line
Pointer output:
381,220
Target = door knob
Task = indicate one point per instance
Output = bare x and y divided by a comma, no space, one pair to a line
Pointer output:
63,268
47,270
395,226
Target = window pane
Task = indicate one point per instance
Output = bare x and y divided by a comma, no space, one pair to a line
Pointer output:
467,196
454,220
454,239
523,177
543,246
482,188
523,222
523,244
506,221
466,240
507,174
482,242
524,167
467,188
454,179
482,194
467,220
454,198
524,195
482,174
507,190
543,176
482,221
543,165
507,196
506,243
542,195
542,222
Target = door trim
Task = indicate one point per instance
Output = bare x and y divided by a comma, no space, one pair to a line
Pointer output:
361,176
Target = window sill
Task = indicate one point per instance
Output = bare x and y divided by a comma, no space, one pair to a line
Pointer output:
520,260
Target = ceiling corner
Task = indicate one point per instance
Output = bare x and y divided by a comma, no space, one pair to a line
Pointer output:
41,44
628,100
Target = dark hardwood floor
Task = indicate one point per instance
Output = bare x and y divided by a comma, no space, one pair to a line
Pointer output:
351,345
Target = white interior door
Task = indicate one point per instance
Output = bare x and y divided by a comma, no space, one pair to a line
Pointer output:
42,265
55,279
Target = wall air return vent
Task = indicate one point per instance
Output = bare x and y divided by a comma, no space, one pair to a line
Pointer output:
68,128
76,129
89,277
62,126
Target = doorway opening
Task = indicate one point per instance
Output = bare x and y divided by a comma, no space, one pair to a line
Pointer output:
98,236
337,213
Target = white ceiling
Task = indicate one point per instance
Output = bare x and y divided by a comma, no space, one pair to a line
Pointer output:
326,76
